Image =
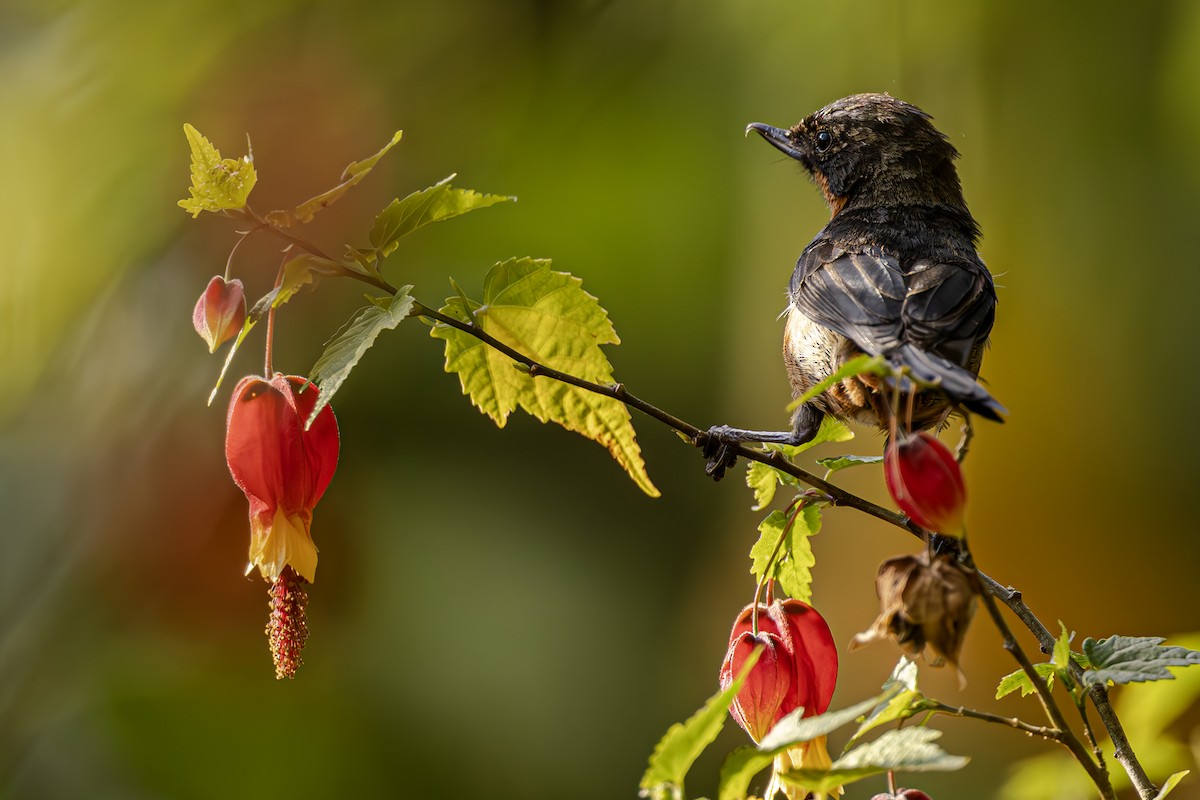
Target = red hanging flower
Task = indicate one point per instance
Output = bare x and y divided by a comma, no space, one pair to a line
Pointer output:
798,666
220,312
282,468
926,481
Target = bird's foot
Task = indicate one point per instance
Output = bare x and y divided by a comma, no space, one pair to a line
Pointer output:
719,444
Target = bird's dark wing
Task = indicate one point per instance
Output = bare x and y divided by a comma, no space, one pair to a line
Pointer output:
857,294
941,308
949,308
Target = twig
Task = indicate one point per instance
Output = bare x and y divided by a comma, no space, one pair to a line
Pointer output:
1094,770
1123,752
838,496
938,707
1088,730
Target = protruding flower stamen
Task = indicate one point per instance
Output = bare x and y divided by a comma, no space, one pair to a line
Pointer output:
287,628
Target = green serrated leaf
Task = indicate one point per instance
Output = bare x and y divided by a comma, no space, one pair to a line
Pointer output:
1061,656
793,563
1134,659
912,754
738,769
844,462
1019,680
1151,714
216,183
349,346
763,480
548,317
297,273
795,570
351,176
1170,784
684,742
795,728
902,704
433,204
769,531
862,365
904,750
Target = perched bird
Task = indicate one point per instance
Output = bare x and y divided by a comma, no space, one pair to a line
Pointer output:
894,274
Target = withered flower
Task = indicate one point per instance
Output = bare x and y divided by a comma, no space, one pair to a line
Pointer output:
925,604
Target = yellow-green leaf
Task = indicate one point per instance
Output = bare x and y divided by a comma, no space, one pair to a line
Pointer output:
216,183
433,204
344,352
546,316
901,704
684,742
1021,680
904,750
793,562
353,174
1170,784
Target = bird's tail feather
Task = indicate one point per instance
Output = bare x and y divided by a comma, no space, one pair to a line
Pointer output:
957,383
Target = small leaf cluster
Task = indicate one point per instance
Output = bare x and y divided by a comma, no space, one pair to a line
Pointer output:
902,750
537,314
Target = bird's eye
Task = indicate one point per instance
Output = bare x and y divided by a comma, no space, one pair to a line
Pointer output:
824,139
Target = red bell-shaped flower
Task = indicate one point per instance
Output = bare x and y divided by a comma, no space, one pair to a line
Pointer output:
282,468
220,312
798,666
926,481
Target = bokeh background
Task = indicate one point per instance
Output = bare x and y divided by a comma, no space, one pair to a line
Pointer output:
502,614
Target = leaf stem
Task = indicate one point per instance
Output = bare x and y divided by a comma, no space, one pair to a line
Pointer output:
270,337
229,261
378,281
1089,731
796,508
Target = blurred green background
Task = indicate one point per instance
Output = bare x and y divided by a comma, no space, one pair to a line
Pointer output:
502,614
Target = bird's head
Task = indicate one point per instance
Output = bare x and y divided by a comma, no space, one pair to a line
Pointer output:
872,148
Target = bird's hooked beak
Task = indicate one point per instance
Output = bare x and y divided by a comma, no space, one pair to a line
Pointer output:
780,138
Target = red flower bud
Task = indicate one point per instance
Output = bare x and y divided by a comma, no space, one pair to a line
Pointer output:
220,312
926,481
282,468
798,666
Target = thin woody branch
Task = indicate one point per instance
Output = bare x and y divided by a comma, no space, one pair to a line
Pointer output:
1094,770
1098,693
938,707
838,497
